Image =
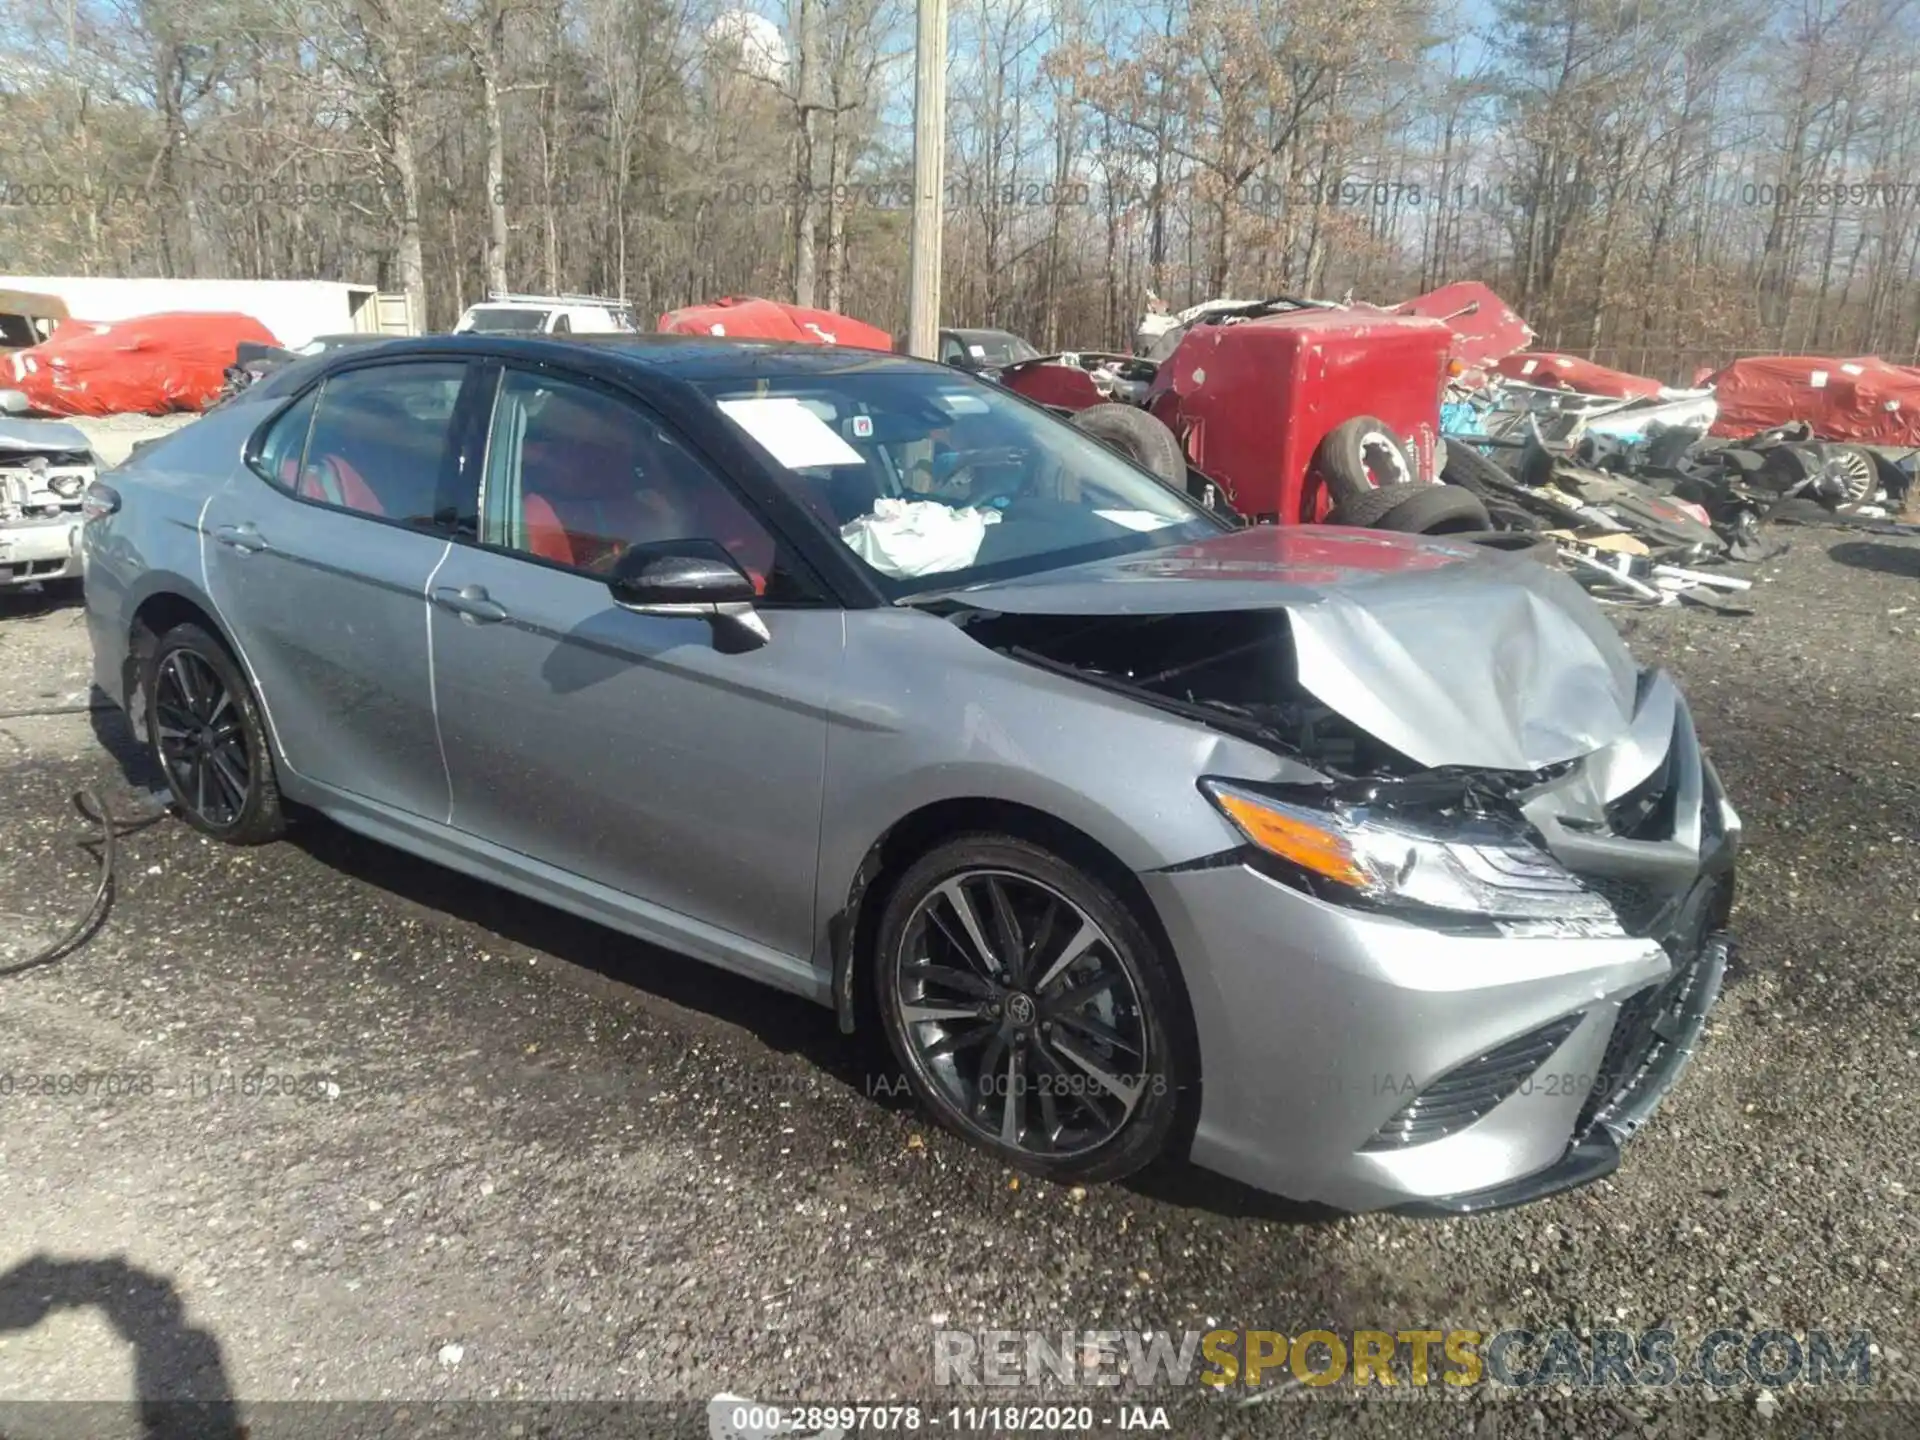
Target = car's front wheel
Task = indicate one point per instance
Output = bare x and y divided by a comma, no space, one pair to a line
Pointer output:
1031,1011
207,738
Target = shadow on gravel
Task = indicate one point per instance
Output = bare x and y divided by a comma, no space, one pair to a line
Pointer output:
782,1021
30,602
179,1373
1192,1188
115,733
1877,555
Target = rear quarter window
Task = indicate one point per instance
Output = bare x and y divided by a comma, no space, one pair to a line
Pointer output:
276,459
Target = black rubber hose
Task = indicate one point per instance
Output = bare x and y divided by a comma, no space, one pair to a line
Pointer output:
112,829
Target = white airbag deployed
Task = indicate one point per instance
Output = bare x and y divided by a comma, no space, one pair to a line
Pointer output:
905,538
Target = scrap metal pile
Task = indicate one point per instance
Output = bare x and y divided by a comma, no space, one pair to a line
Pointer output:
1640,488
45,469
1638,493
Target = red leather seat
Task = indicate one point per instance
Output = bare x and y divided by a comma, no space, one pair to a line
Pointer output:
592,482
333,481
572,514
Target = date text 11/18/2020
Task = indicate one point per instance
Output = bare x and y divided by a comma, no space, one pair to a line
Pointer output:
147,1084
729,1417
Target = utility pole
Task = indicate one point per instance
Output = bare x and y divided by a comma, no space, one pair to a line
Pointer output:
929,183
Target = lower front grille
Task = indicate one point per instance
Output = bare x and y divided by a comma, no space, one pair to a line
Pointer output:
1467,1092
1652,1038
27,569
1637,905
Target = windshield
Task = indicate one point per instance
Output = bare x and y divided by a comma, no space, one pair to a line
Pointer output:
501,317
936,481
996,347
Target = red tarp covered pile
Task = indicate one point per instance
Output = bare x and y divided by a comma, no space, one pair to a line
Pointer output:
1484,326
1865,400
151,365
1570,372
748,317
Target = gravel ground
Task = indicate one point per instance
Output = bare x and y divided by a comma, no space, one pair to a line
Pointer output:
114,436
553,1165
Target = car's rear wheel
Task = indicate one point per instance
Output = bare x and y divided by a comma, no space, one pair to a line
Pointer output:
1031,1011
207,738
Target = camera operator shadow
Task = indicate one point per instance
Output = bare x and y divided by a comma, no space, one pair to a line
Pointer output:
180,1377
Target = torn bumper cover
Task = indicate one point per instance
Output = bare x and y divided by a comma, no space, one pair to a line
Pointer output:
1372,1060
1530,859
45,469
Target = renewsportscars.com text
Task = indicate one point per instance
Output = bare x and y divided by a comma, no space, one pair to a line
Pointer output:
1516,1359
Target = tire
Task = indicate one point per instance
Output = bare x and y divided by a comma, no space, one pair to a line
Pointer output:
1474,472
1531,544
1437,510
201,771
1138,436
1368,508
964,1058
1739,459
1361,455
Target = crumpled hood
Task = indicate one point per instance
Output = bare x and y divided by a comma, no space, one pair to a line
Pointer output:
1451,653
39,437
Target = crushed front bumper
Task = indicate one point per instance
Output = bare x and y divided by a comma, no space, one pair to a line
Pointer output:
1654,1040
40,548
1366,1062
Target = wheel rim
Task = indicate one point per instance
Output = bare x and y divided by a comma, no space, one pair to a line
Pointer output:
1019,1014
202,747
1856,470
1382,459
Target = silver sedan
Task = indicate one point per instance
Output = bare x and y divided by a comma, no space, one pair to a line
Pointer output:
1365,869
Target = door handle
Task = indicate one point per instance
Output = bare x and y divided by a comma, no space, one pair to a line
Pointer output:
470,602
243,537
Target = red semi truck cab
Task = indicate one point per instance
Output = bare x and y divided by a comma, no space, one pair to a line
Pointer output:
1252,401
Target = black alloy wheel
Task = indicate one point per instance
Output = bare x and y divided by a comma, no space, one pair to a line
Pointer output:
207,737
1030,1019
199,739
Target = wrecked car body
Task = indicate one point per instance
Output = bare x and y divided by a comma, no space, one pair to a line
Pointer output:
1077,379
45,469
1442,701
1365,869
1434,701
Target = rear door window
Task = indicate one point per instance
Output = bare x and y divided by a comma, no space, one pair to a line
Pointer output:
381,443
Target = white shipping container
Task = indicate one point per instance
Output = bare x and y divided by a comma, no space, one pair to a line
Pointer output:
294,310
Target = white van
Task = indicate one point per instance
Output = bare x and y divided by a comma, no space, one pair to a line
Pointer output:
503,314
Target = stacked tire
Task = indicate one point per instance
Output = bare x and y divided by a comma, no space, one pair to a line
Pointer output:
1373,484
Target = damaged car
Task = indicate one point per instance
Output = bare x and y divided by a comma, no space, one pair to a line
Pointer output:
1365,868
45,469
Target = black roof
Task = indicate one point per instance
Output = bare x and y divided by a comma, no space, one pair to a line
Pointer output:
682,357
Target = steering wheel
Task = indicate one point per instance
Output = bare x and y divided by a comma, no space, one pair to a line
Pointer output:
961,477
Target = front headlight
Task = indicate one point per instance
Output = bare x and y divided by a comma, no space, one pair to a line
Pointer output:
1354,855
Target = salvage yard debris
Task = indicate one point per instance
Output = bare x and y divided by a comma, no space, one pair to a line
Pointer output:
45,469
152,365
1651,468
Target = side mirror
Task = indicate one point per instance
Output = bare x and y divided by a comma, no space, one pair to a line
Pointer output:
695,578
